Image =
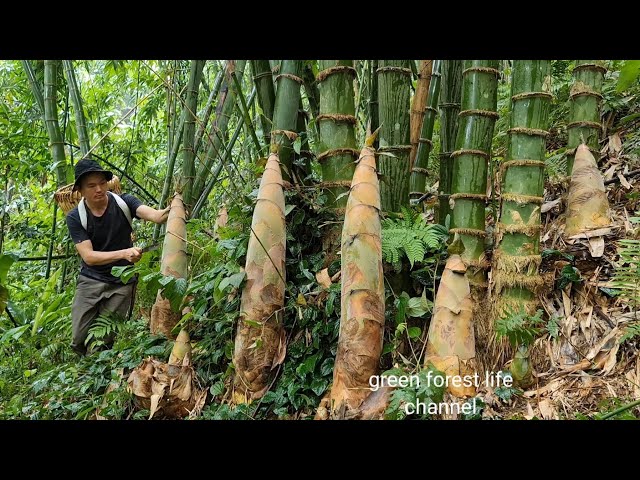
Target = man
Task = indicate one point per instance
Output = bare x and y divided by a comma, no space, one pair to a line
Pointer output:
104,243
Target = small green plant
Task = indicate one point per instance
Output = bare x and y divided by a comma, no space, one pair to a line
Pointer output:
519,327
423,394
410,236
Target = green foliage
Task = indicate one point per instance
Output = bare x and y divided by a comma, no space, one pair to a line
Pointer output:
410,236
569,274
628,75
631,331
627,273
519,327
421,390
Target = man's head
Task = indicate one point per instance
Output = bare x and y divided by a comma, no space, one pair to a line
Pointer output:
91,179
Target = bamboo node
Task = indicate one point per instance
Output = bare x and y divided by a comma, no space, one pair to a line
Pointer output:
470,151
394,148
586,92
337,183
584,123
521,199
528,230
288,133
425,140
529,131
290,76
262,75
591,66
420,170
449,105
482,113
431,109
337,117
333,70
494,71
520,163
470,196
473,232
338,151
402,70
520,96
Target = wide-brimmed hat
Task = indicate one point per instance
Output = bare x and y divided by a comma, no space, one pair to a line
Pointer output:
87,165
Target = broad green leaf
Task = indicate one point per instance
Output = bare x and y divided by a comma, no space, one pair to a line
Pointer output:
234,280
6,260
628,74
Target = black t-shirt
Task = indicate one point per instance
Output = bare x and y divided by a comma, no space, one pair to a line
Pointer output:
107,233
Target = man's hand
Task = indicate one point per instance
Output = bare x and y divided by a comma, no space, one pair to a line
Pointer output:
132,254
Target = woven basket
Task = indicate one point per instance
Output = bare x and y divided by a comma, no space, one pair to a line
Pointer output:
67,199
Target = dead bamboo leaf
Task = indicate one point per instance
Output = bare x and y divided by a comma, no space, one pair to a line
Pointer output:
323,278
596,246
615,144
624,182
547,410
530,413
546,206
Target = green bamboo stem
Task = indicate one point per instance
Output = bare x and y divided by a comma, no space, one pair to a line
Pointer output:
419,171
302,160
33,82
450,95
394,90
263,80
311,89
373,99
51,240
218,132
216,172
473,152
584,112
188,137
285,115
207,111
56,143
517,254
244,111
337,143
76,100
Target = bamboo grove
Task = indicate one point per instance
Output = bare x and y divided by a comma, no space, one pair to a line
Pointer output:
282,177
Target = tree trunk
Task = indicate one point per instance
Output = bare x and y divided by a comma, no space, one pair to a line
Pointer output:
419,169
260,342
188,137
394,89
266,95
285,115
585,99
76,100
418,105
33,82
450,95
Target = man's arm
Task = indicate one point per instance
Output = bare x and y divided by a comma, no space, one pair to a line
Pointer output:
93,258
146,212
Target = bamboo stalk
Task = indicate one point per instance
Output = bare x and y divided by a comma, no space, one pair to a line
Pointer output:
56,143
260,342
244,111
373,100
218,132
208,109
53,236
263,80
473,152
337,141
35,88
362,293
227,154
418,105
285,115
188,137
517,254
418,172
450,96
584,100
76,99
394,89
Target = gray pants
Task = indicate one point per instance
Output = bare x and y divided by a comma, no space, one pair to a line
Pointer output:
93,298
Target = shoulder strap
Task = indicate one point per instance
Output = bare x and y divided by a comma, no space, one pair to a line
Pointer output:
82,210
124,207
